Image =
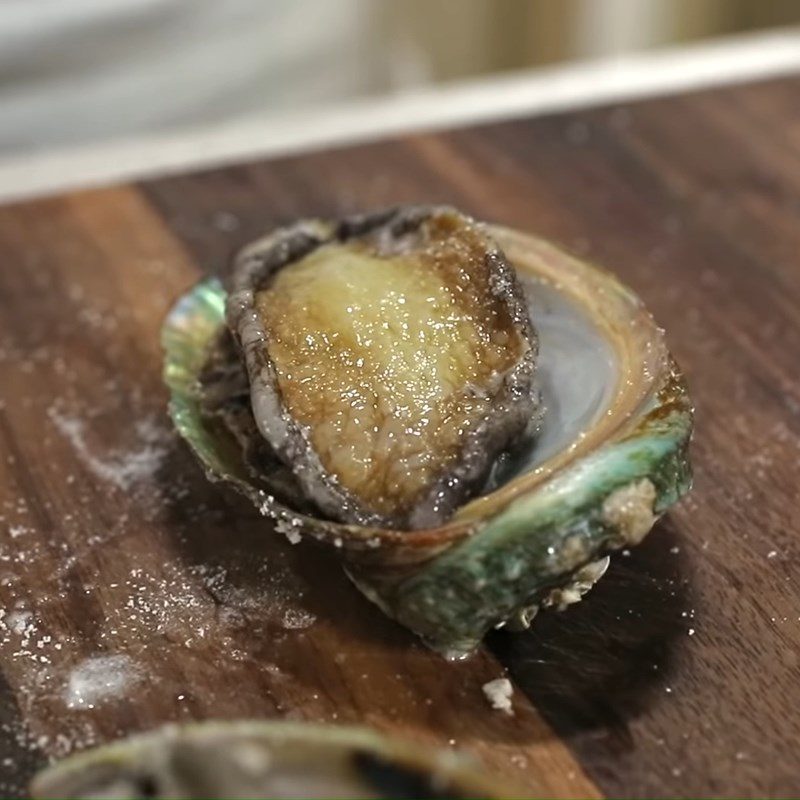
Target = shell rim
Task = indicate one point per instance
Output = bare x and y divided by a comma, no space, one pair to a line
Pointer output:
464,772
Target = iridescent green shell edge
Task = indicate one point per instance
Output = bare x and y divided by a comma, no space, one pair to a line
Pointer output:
185,339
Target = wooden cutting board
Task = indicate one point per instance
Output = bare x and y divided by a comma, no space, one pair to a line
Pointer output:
134,592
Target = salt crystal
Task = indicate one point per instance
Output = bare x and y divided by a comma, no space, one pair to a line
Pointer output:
226,221
293,536
122,469
99,678
288,529
498,692
20,622
296,619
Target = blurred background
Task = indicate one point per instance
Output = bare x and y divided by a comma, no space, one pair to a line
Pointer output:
77,71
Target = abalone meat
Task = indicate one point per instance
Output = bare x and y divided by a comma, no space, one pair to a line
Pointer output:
390,360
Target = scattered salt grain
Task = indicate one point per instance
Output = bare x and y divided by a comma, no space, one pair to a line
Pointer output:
288,529
296,619
99,678
293,536
19,622
225,221
498,692
123,469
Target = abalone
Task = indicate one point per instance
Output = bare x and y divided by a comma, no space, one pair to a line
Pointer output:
266,759
609,457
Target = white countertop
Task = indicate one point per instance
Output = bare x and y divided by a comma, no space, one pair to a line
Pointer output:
535,92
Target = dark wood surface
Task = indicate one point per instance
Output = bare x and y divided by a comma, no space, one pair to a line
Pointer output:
678,676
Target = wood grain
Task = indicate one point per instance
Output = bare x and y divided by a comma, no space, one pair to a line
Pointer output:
677,676
116,546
